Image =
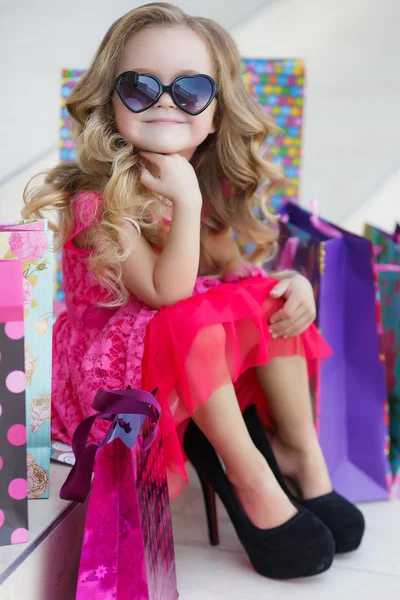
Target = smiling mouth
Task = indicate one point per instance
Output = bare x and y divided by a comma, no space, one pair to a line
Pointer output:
164,122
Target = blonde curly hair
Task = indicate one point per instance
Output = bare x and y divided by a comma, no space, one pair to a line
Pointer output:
106,163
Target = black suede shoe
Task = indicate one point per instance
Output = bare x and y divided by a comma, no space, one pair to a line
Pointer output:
344,519
301,547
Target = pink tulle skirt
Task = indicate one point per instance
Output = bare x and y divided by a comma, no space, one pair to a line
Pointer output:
210,340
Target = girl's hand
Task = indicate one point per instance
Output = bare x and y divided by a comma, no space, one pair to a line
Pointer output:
299,311
171,176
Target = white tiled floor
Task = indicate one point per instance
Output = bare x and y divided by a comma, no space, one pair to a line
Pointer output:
224,573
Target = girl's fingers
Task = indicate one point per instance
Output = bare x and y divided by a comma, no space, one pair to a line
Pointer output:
152,157
147,178
294,329
282,327
290,307
300,328
151,167
281,319
280,288
145,173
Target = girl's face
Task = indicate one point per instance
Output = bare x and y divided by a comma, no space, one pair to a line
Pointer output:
165,52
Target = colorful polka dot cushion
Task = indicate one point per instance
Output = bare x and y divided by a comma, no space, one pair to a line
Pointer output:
278,87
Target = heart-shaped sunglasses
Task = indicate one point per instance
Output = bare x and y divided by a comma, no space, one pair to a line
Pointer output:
190,93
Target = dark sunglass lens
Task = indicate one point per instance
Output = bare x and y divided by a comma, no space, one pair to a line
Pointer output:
138,91
193,93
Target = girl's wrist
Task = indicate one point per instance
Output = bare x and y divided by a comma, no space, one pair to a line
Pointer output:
238,271
188,201
287,274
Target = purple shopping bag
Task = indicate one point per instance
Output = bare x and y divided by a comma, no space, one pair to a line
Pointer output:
128,550
13,477
352,387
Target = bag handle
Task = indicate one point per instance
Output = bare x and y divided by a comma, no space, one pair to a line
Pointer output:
109,404
382,268
325,228
289,253
387,268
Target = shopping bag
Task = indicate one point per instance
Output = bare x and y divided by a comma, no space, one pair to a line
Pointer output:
128,550
387,265
13,481
31,243
351,388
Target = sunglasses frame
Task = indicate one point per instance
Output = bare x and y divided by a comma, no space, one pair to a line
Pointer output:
165,89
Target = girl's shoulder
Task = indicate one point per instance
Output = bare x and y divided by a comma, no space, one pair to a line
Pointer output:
87,208
86,204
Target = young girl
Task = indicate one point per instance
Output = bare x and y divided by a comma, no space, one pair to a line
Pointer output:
169,161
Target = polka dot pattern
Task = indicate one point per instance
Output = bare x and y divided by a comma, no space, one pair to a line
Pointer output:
20,536
13,480
15,382
18,489
14,330
278,87
16,435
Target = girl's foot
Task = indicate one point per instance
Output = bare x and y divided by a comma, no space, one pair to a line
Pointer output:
261,496
301,547
304,466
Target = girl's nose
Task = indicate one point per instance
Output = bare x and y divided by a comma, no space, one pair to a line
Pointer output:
165,101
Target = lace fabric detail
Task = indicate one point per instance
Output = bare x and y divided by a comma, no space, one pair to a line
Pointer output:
94,347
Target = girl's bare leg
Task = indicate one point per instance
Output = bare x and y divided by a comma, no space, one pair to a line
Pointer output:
221,421
285,383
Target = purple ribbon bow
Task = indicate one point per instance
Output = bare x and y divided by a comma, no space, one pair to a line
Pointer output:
110,405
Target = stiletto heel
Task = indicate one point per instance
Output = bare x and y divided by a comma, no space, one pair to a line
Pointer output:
343,519
301,547
210,502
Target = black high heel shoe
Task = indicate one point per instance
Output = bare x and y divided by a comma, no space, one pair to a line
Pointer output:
343,519
301,547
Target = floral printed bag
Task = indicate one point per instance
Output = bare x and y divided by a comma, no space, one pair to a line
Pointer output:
31,244
387,257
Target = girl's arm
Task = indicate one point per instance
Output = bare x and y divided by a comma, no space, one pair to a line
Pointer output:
165,279
298,311
224,252
170,277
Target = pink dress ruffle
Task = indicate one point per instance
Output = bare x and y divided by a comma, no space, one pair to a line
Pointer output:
187,350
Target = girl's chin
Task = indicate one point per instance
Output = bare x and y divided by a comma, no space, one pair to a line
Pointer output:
167,148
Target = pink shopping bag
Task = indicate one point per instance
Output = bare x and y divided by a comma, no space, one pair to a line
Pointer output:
128,550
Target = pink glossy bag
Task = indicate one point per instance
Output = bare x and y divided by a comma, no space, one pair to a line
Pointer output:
128,549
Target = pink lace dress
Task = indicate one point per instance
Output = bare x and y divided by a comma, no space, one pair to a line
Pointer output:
187,350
